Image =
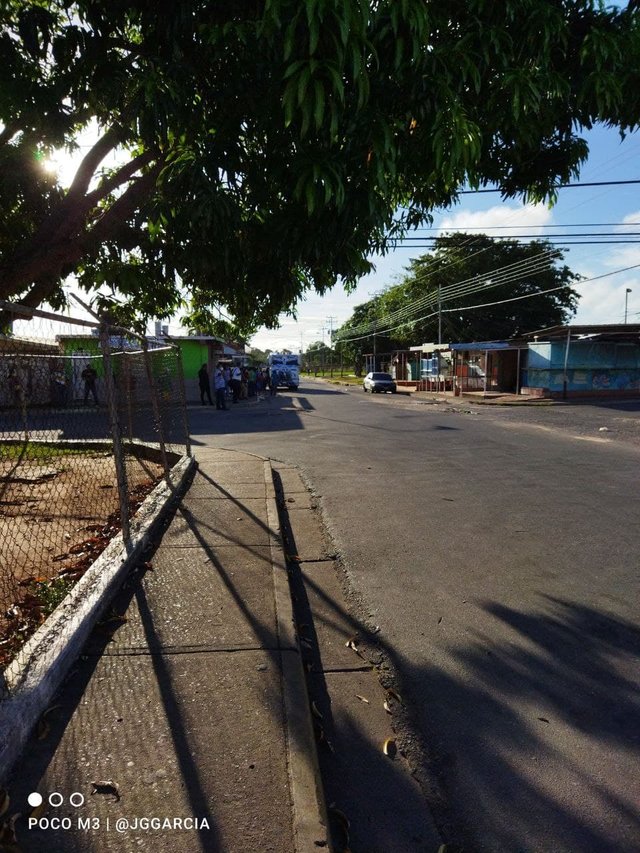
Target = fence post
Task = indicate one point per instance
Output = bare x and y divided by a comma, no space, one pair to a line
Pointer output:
156,408
118,450
183,400
128,384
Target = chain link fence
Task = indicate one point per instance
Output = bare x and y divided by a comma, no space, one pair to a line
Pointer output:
90,422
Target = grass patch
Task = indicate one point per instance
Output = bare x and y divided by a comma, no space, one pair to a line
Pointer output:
37,451
51,593
345,380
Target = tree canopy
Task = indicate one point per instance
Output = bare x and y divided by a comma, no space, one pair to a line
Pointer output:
470,288
267,147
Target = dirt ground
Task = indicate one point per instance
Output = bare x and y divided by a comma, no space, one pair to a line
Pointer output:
58,513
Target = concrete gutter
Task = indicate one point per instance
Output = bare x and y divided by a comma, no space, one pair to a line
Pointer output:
35,676
310,822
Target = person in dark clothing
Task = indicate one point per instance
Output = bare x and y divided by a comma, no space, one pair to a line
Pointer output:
205,386
90,376
274,379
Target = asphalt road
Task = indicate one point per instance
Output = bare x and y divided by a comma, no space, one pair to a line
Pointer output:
498,552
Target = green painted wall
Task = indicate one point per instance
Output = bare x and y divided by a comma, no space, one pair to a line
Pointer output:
194,355
84,344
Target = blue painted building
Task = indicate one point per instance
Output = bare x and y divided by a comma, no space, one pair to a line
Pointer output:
582,361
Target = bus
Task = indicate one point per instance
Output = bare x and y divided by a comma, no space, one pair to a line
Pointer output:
287,367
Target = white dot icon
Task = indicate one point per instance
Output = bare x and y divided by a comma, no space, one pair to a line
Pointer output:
34,799
76,799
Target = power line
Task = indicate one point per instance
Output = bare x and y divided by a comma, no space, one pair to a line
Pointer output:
560,186
562,241
533,236
459,290
493,278
500,301
548,225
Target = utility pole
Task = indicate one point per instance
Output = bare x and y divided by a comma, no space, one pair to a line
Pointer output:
439,314
330,320
375,326
626,304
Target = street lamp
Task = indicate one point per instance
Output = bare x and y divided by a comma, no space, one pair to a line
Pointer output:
626,302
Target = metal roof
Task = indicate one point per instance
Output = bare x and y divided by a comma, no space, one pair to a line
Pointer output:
602,331
485,345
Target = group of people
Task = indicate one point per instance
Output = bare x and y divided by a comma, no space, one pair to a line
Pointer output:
236,383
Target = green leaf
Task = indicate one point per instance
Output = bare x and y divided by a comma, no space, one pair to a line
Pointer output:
319,103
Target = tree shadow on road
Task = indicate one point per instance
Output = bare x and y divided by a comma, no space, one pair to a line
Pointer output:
524,736
532,731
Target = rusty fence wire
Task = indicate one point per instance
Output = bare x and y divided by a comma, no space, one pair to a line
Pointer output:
90,422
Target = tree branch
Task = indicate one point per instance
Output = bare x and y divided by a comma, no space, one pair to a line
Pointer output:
91,161
68,245
123,174
107,226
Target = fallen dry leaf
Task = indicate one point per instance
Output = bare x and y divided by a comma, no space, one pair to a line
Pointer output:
38,811
43,728
389,747
8,840
106,786
394,694
113,618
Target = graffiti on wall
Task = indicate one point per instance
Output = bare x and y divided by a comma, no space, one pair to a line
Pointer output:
606,380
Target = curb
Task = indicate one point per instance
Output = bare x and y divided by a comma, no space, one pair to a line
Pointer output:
310,823
44,661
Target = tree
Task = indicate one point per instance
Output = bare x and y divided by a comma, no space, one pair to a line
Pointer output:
258,355
317,346
267,146
466,270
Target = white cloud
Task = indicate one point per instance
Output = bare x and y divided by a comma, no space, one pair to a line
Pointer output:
630,219
603,301
501,218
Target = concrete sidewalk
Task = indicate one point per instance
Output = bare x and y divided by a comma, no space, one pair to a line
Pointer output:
185,725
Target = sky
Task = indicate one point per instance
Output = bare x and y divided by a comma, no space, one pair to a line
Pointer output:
602,301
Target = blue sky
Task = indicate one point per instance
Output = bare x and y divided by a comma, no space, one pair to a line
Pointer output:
603,301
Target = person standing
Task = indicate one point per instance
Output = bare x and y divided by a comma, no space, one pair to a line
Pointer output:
236,382
252,381
274,378
90,376
260,380
244,383
59,380
205,387
220,386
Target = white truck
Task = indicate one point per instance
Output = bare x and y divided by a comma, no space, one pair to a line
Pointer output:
287,368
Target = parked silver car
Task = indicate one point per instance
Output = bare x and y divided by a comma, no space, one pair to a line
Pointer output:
379,382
